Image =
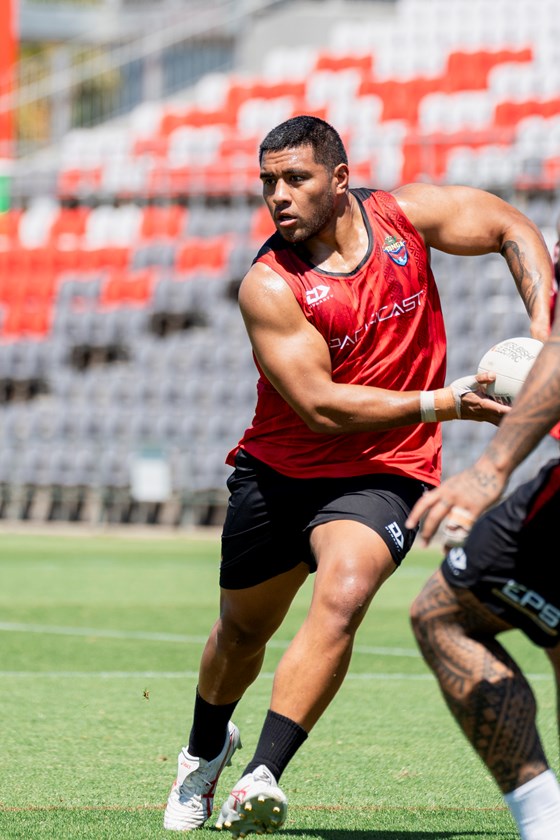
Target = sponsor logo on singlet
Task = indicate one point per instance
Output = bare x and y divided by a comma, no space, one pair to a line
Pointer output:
396,250
457,560
317,294
392,310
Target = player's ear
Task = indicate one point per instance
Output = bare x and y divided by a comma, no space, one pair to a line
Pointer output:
341,176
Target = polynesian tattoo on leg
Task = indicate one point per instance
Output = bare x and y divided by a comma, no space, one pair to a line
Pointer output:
482,685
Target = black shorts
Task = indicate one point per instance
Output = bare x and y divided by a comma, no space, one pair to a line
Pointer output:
270,516
509,561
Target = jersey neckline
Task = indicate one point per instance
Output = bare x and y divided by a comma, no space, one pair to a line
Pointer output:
366,256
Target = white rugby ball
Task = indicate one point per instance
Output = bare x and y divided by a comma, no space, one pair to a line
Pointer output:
511,360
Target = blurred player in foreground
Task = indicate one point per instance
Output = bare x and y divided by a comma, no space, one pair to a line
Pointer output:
503,577
343,314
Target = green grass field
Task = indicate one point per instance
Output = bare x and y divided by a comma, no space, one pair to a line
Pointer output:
100,639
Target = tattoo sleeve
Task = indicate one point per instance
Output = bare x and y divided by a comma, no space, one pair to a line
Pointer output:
528,283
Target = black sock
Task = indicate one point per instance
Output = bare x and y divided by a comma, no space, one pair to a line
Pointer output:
280,739
209,729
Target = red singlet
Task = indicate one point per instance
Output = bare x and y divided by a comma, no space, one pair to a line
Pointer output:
384,327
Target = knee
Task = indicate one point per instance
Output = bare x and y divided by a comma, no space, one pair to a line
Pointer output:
233,635
346,605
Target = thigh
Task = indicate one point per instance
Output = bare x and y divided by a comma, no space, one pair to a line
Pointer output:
352,563
263,535
457,636
359,537
381,503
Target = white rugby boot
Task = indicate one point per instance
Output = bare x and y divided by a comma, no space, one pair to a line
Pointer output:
256,803
191,798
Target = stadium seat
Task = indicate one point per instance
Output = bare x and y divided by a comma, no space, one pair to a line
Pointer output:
351,61
262,225
26,320
9,228
166,217
162,221
200,254
130,288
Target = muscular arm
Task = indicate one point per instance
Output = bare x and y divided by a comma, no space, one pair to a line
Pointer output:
296,360
467,221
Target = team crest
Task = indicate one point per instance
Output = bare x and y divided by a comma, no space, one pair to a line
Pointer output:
396,249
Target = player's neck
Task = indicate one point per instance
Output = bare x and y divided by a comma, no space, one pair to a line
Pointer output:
342,245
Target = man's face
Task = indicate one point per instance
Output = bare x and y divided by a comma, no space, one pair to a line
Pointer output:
300,194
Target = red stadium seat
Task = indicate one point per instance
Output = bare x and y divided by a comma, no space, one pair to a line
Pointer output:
170,120
179,180
69,226
203,254
510,113
330,61
42,286
12,287
26,320
469,70
234,146
127,288
156,147
262,225
74,182
162,221
9,223
106,257
301,107
550,107
29,283
551,172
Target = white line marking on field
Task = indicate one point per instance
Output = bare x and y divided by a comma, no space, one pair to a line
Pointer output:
14,627
146,636
180,675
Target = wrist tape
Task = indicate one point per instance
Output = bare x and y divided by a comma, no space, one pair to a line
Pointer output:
442,404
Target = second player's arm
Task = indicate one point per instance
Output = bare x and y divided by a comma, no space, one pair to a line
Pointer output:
296,360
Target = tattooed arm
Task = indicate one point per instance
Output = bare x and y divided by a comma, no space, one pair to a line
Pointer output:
528,283
536,410
469,222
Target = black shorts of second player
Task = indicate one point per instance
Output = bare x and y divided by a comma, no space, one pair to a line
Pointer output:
509,561
270,517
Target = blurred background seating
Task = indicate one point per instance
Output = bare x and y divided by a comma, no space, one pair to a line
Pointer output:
130,209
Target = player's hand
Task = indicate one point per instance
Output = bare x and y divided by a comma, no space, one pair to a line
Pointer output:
476,404
461,499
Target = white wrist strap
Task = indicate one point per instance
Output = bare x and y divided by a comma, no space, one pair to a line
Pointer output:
428,407
441,404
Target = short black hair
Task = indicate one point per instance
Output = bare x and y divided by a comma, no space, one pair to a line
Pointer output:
328,148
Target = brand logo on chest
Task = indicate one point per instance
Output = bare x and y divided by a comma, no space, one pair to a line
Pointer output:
317,294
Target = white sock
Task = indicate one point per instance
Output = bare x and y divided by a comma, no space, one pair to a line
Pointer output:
535,807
